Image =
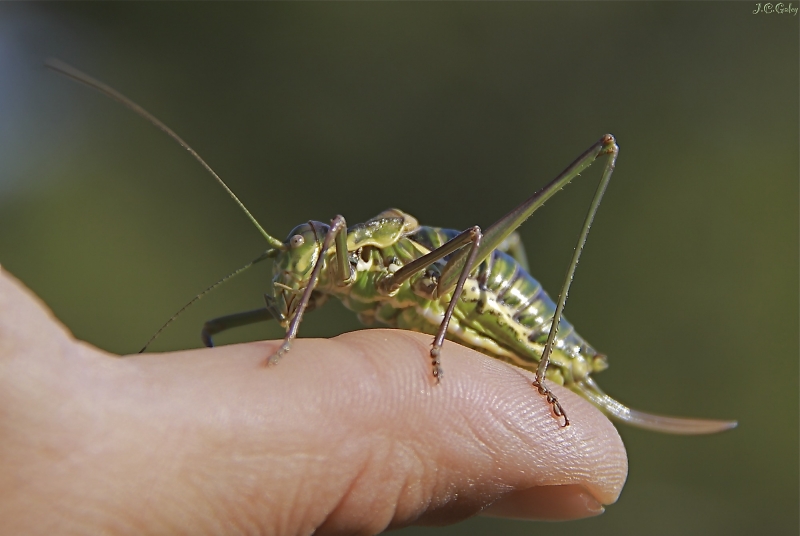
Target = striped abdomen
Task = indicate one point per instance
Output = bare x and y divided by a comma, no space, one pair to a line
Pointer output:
506,305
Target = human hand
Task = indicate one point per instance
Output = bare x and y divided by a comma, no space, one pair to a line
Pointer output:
347,435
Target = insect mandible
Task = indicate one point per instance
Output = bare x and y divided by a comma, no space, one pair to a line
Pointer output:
472,287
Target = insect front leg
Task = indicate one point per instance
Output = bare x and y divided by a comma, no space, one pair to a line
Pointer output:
336,233
392,282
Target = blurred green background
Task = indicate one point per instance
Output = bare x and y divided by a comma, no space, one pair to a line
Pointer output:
454,113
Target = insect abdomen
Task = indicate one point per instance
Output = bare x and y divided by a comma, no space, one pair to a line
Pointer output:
507,305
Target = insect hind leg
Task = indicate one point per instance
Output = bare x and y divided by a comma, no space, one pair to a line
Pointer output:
512,245
607,146
545,391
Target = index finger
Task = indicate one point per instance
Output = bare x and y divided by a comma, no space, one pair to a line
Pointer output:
388,441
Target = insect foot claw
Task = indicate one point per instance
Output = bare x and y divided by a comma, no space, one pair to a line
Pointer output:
436,364
438,373
274,358
558,410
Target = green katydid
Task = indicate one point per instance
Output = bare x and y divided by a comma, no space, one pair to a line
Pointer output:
471,287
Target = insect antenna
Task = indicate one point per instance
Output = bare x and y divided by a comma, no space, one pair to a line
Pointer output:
267,254
78,76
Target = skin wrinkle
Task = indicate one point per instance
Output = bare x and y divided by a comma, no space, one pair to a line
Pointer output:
332,525
370,369
397,464
369,391
481,434
410,491
445,486
419,348
407,461
298,518
245,513
445,477
415,486
356,482
354,478
465,420
348,493
499,404
470,391
325,491
488,491
217,507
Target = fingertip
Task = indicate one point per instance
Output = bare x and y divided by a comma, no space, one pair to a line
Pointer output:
546,503
490,406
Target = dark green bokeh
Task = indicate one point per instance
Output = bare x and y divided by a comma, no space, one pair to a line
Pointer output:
455,113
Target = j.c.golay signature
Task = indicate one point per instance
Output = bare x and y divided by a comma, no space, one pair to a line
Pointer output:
780,9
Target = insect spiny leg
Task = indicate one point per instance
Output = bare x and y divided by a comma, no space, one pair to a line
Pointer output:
338,225
473,235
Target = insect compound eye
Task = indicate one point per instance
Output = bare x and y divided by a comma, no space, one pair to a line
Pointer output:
296,241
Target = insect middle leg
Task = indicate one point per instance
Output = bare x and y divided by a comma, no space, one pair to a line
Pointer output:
392,282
